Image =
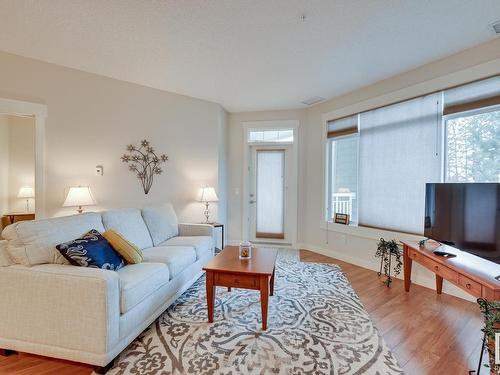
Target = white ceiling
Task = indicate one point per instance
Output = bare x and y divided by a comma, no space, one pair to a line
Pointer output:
245,55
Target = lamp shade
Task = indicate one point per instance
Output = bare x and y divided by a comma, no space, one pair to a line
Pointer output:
79,196
207,194
26,192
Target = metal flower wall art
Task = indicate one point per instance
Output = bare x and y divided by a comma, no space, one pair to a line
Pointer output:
144,162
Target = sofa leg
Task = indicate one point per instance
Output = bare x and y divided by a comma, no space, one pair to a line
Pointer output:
6,352
104,369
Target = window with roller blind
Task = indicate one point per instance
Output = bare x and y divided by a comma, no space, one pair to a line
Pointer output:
342,173
450,136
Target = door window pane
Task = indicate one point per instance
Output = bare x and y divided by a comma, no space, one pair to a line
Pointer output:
269,135
270,193
473,148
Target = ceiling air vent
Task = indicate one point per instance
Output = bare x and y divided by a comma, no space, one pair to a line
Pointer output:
313,100
496,27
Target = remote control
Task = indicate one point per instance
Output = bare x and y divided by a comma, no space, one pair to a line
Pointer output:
444,254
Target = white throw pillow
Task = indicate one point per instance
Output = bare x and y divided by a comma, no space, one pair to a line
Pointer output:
129,223
162,222
34,242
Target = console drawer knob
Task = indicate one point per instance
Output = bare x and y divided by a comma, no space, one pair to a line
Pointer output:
467,286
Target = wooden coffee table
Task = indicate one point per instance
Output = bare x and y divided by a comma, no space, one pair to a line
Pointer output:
228,270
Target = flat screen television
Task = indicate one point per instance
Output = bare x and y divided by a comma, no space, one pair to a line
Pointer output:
465,216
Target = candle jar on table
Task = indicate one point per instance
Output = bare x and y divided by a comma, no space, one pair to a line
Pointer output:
245,250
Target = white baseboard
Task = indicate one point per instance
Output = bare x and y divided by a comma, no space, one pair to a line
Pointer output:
420,275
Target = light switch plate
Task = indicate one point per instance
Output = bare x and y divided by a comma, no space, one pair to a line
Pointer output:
99,170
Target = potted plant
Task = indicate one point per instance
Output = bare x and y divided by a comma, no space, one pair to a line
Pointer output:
385,251
491,312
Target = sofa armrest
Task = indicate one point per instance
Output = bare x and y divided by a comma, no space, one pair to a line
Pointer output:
60,305
196,230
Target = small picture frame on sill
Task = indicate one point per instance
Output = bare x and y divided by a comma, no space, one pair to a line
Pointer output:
341,219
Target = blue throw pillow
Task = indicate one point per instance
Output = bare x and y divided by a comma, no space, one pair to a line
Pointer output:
91,250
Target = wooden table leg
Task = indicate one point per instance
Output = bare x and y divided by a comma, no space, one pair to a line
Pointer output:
228,288
271,286
210,295
264,298
407,268
439,284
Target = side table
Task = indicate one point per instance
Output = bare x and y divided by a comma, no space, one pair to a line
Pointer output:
218,225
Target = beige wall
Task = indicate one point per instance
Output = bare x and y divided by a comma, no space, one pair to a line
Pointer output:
4,164
92,118
17,161
21,160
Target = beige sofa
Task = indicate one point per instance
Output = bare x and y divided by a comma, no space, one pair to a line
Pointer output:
90,315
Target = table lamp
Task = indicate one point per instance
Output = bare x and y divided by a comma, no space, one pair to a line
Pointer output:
26,192
206,195
79,196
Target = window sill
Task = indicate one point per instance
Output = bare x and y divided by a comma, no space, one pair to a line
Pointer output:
369,233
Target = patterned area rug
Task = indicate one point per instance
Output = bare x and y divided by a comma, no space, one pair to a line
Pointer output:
316,325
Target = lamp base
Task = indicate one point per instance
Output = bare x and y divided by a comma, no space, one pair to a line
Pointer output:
207,213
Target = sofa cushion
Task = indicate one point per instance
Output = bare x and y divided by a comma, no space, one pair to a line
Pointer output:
203,245
34,242
177,258
128,222
127,250
138,281
161,221
91,250
4,255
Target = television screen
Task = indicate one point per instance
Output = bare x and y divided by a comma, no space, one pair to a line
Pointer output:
465,216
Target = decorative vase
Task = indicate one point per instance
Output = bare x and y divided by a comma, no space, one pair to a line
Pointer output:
245,250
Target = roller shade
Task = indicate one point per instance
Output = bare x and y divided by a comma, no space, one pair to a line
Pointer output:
398,154
343,126
472,96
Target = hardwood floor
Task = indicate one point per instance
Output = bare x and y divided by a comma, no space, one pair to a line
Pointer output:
429,334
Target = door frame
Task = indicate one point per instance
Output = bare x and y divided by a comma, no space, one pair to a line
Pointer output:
293,179
39,113
286,148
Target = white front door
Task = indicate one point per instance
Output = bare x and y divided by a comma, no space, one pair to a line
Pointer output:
269,196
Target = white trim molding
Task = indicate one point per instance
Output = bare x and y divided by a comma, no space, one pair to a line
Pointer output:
275,125
39,113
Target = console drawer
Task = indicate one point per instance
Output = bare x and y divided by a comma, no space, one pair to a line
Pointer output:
443,271
235,280
471,286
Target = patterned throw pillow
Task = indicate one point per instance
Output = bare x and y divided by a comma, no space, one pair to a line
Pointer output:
91,250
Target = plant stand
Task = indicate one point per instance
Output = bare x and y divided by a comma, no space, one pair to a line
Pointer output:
386,251
386,259
483,348
491,312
